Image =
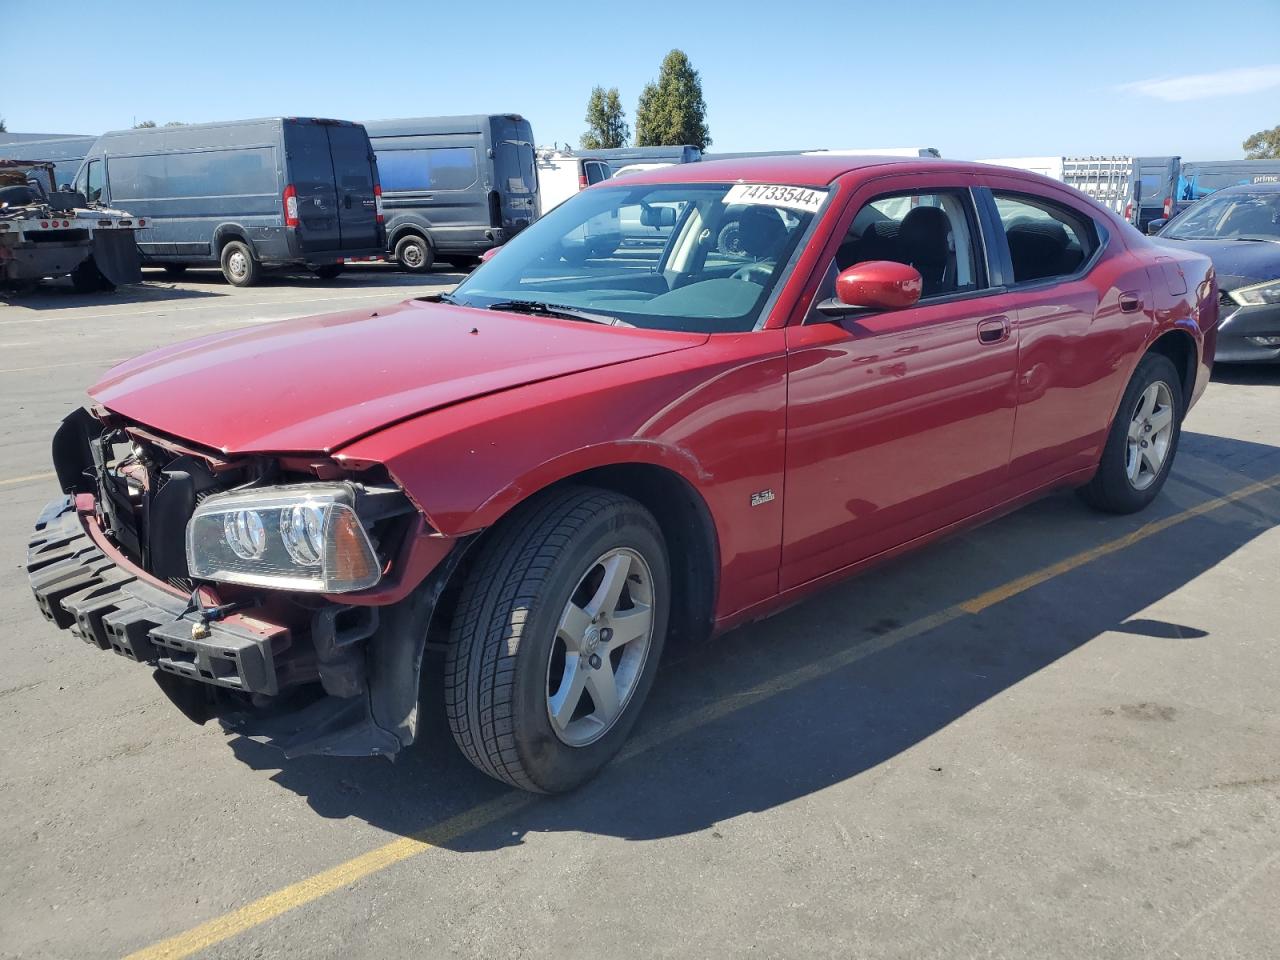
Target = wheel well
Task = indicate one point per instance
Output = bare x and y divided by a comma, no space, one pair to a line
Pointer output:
226,236
1180,348
686,526
409,232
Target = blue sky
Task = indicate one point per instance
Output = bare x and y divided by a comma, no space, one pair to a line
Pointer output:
976,80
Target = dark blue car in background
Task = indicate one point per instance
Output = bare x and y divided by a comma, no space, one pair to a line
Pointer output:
1239,229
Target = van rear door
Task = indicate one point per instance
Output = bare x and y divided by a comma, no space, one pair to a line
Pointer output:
515,179
309,169
354,175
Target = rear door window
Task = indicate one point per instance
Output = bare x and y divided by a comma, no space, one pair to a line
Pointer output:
1046,239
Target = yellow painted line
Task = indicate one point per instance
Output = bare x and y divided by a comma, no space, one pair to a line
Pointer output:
312,888
1024,583
29,478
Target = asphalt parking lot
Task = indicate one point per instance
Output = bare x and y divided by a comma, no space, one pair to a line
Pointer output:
1055,736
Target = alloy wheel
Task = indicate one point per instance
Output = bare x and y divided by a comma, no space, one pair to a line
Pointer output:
1150,433
601,645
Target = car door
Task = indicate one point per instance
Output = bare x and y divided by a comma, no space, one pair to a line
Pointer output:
1075,320
898,422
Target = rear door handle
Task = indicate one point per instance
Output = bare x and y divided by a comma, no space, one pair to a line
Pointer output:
1130,302
993,330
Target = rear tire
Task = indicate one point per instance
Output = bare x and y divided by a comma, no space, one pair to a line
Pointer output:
1143,440
527,658
329,271
238,265
414,253
87,278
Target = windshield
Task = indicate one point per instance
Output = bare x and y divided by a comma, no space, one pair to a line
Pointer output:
1235,216
694,257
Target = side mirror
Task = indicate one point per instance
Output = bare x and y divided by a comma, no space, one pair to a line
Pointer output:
489,254
874,285
1155,226
657,216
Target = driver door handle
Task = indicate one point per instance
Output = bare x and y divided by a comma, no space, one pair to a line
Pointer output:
993,330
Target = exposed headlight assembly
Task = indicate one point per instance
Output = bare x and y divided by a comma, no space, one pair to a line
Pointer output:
297,537
1266,292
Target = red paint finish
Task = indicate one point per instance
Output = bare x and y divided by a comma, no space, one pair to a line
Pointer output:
816,446
880,285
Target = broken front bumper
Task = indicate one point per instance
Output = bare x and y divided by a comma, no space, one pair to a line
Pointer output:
343,682
80,588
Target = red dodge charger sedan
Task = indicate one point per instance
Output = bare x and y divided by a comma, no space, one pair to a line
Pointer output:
591,447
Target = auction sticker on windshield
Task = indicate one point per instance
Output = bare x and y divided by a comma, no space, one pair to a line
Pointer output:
793,198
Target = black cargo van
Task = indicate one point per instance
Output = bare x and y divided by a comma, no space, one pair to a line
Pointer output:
245,195
454,187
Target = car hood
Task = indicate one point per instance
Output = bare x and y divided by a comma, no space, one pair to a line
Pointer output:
1238,263
318,383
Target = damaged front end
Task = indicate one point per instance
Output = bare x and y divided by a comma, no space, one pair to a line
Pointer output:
287,596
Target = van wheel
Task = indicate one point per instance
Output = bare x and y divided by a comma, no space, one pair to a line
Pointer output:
414,253
556,638
175,269
238,265
1143,440
87,278
328,271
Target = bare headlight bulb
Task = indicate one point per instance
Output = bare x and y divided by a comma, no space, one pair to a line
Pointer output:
302,530
245,534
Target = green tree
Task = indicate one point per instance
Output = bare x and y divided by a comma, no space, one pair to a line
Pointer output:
3,128
606,121
671,110
176,123
144,125
1263,145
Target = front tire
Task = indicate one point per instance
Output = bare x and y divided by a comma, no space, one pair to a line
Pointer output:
556,638
414,254
1143,440
238,265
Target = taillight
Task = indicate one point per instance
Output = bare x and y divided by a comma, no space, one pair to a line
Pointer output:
377,200
291,206
582,181
1128,212
1168,207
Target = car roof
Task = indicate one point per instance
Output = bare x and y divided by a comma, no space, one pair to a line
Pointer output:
805,171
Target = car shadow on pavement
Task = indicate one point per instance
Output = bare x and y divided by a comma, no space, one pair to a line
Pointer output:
729,730
1247,374
357,276
58,295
